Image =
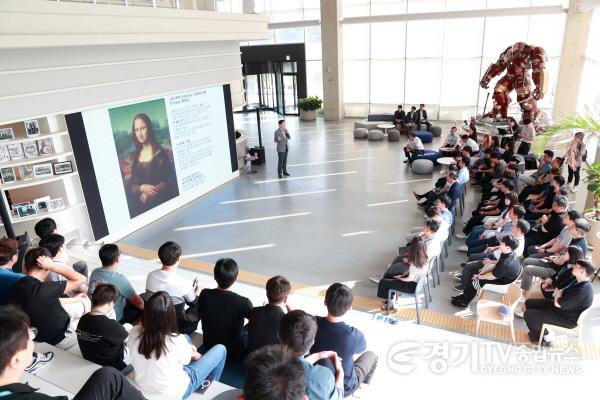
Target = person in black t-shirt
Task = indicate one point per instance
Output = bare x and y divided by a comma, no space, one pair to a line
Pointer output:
399,116
101,338
565,306
505,271
333,334
222,312
549,226
263,322
16,348
42,301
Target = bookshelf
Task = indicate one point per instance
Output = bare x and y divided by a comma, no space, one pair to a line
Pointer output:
33,153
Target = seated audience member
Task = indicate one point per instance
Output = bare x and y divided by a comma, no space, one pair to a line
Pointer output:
399,116
46,227
452,139
564,308
516,213
422,118
129,306
274,373
411,118
297,331
182,292
547,267
509,151
463,170
16,348
333,334
9,254
540,188
223,311
549,225
514,129
543,169
527,137
559,243
165,361
490,255
41,299
434,213
542,203
452,189
465,141
263,321
506,198
413,148
506,270
102,339
404,275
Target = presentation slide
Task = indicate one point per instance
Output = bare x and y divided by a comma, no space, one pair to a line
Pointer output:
149,154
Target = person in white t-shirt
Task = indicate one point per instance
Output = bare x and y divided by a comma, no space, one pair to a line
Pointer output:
414,147
165,362
182,292
465,140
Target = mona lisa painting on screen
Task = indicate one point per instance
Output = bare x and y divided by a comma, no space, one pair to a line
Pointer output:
143,142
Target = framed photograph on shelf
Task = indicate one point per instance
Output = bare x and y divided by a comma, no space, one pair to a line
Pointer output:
55,204
41,203
32,127
26,172
26,210
6,134
42,170
4,154
30,149
63,167
8,174
15,151
46,146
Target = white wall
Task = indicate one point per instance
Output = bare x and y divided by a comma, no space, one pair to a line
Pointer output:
41,81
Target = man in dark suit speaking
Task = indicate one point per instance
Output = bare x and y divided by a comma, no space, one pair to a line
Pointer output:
281,138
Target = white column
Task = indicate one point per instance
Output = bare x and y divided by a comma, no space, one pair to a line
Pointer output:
331,45
572,59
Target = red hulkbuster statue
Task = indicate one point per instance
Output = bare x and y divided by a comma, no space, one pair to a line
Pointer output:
517,59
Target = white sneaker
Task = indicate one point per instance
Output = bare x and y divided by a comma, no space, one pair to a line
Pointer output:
375,279
574,189
464,248
39,361
461,235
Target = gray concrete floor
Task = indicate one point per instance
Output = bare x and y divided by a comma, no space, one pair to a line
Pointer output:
334,178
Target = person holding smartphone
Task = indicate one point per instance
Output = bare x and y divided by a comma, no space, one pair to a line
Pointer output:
281,138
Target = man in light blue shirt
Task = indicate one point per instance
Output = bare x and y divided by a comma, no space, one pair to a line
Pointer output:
129,306
463,170
297,331
9,254
443,202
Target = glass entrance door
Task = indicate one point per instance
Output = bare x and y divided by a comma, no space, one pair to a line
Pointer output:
290,94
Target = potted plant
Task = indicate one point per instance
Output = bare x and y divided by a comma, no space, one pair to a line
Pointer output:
308,107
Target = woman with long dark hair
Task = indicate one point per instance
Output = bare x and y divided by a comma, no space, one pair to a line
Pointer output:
166,362
153,179
403,275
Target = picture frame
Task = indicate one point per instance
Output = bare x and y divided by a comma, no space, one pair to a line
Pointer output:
41,203
26,172
30,149
15,151
45,146
55,204
6,134
62,167
32,127
8,174
27,210
4,156
42,170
